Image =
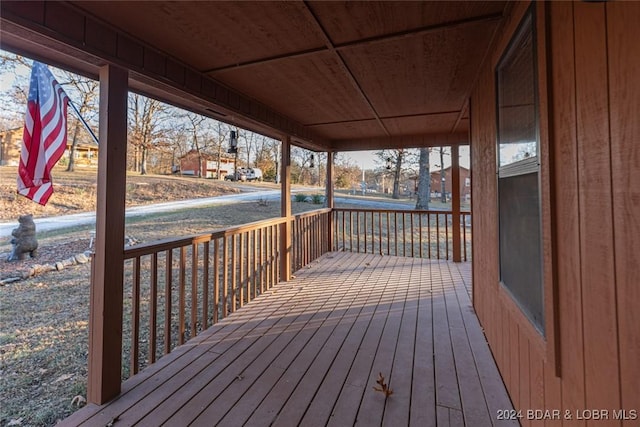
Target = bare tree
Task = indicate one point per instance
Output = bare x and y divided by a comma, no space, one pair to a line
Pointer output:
14,101
249,140
195,123
87,94
395,158
267,152
301,161
145,118
346,172
424,180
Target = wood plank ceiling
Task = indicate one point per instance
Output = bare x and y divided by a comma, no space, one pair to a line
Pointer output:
345,71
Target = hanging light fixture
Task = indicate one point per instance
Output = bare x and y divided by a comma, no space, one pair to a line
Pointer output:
312,162
389,163
233,143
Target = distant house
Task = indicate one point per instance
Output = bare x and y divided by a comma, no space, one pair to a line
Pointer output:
465,182
86,152
10,143
205,165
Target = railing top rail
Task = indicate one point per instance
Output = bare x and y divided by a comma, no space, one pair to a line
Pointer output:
312,213
172,242
416,211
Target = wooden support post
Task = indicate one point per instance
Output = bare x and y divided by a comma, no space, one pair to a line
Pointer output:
455,203
285,203
328,199
105,321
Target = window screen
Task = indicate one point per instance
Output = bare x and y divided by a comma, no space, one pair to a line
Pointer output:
518,174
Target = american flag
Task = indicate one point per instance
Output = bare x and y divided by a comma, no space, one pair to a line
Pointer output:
45,134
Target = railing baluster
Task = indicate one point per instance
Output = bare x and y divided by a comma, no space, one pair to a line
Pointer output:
153,308
446,235
429,232
181,295
344,241
464,237
388,235
438,233
254,275
216,280
225,277
269,255
168,303
305,239
276,258
395,232
234,273
205,285
364,218
404,235
135,318
411,216
380,231
194,290
420,232
241,265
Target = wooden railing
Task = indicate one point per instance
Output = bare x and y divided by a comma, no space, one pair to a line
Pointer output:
176,288
408,233
310,231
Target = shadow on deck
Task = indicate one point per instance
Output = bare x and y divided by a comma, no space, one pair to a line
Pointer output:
309,351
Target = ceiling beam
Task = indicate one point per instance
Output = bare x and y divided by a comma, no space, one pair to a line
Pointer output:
344,66
411,141
417,32
496,30
460,115
403,116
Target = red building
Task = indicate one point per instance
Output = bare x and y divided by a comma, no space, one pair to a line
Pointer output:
205,165
465,182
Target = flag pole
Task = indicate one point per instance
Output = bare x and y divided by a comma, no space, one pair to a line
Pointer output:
86,126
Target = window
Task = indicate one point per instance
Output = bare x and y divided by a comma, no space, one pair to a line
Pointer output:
518,174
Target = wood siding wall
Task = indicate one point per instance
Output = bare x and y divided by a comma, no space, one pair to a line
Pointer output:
588,66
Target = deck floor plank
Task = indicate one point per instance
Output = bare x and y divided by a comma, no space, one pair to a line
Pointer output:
373,403
320,410
398,410
346,408
214,382
326,314
279,396
308,352
423,395
447,388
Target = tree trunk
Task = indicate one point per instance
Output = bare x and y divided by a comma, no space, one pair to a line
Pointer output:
72,153
143,161
396,176
424,180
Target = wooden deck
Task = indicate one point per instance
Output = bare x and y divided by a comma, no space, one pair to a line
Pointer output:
309,351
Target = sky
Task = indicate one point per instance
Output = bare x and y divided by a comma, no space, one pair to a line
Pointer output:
366,159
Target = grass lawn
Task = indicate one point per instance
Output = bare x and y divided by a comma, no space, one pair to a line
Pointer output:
44,334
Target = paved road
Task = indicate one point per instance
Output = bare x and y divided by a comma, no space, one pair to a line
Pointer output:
73,220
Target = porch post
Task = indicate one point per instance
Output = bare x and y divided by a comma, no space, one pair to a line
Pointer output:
455,203
285,207
105,318
328,199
